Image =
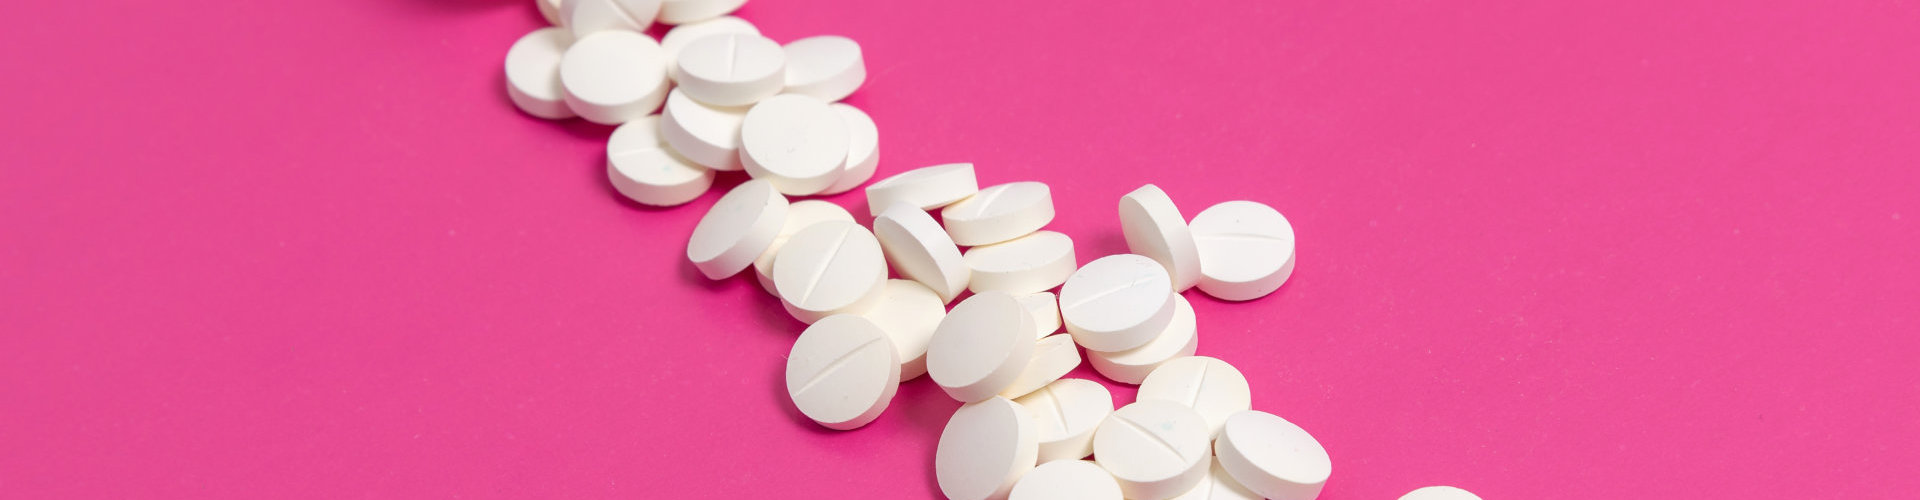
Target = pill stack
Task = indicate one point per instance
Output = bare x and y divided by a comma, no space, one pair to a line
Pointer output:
729,99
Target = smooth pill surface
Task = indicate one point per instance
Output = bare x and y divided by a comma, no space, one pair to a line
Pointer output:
1246,250
1153,227
682,12
732,69
1180,339
926,187
1272,457
587,17
1439,493
677,38
798,143
980,347
1117,302
800,215
1067,411
921,251
1053,357
1209,386
1218,486
829,268
984,449
1066,480
738,228
863,149
828,67
1045,308
842,372
1030,264
533,73
999,213
708,135
1157,450
908,312
612,77
642,168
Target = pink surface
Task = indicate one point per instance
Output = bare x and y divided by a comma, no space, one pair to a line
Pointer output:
1637,249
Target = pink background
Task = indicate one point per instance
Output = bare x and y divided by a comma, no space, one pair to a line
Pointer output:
1627,249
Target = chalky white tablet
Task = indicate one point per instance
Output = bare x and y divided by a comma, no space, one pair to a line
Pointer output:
1068,410
926,187
1030,264
709,135
550,10
1273,457
999,213
1439,493
736,229
980,347
984,449
1246,250
828,67
1157,450
921,251
1153,227
1210,386
533,73
682,12
796,142
800,215
842,372
734,69
1117,302
829,268
1045,308
1066,480
677,38
586,17
1180,339
642,168
612,77
1218,486
1052,358
863,149
908,312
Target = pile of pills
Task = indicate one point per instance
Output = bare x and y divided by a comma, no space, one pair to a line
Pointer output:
985,291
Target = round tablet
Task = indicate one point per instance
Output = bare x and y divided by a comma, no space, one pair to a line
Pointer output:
708,135
587,17
1272,457
738,227
550,10
1052,358
1066,480
980,347
984,448
1209,386
1154,228
796,142
842,372
829,268
1030,264
688,11
1157,450
1246,250
677,38
641,167
1439,493
921,251
1180,339
828,67
908,312
1045,309
926,187
1218,486
533,73
999,213
1117,302
612,77
863,149
800,215
1068,410
731,69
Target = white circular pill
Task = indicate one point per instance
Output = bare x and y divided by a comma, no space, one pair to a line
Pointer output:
1052,358
829,268
1246,250
1030,264
999,213
842,372
926,187
682,12
1153,227
863,149
1180,339
921,251
800,215
1066,480
612,77
1045,308
1210,386
828,67
587,17
550,10
1068,410
984,449
1157,450
796,142
1218,486
1272,457
1439,493
731,69
738,227
533,73
677,38
641,167
980,347
908,312
708,135
1117,302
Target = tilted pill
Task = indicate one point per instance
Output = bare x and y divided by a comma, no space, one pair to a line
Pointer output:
828,67
645,170
1209,386
689,11
800,215
842,372
798,143
921,251
1066,480
863,149
1030,264
999,213
1246,250
927,188
980,347
533,73
680,36
1180,339
1153,227
586,17
1068,410
1157,450
709,135
731,69
1117,302
612,77
736,229
1052,358
909,313
829,268
984,449
1273,457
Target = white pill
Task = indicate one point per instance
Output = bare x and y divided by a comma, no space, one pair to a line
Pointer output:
1218,486
1068,410
689,11
921,251
863,149
800,215
1045,308
642,167
1154,228
1066,480
550,10
828,67
677,38
926,187
829,268
1246,250
796,142
1439,493
533,73
908,312
612,77
738,227
732,69
1210,386
842,372
1180,339
1052,358
984,449
1117,302
587,17
1157,450
980,347
1030,264
708,135
1272,457
999,213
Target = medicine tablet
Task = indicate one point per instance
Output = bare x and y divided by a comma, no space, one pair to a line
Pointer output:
734,69
829,268
1157,450
984,449
533,73
708,135
612,77
677,38
738,228
842,372
1030,264
980,347
587,17
1117,302
1066,480
1045,309
863,149
1209,386
921,251
550,10
796,142
1439,493
682,12
800,215
1180,339
1246,250
828,67
1218,486
1053,357
1272,457
642,168
927,187
1154,228
999,213
908,312
1068,410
